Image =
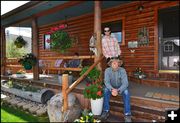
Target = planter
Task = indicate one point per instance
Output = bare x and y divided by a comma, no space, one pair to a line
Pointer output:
70,79
96,106
27,66
20,75
42,96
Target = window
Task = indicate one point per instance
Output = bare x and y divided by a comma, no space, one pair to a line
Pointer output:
117,29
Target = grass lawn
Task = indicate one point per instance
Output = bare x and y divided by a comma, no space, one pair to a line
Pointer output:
11,114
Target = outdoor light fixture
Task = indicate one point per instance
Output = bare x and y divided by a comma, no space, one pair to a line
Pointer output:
140,7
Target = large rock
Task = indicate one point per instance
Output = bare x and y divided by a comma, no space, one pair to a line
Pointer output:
54,109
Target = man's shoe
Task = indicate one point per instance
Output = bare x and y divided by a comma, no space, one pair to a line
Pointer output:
104,115
127,118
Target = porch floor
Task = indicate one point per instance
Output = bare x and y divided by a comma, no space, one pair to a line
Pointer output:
136,89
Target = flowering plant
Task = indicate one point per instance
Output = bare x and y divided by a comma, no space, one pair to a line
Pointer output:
87,117
139,73
59,39
93,90
28,61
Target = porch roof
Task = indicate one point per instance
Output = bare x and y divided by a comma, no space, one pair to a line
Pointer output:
39,9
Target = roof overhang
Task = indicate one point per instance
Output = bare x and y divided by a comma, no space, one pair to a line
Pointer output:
51,11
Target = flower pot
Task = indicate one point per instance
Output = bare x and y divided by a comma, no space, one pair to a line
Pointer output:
27,66
96,106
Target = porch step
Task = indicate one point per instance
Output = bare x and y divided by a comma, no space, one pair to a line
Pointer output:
156,82
143,110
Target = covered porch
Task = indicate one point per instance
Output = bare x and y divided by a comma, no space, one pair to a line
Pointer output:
150,96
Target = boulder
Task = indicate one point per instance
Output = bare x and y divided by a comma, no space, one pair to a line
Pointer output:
54,109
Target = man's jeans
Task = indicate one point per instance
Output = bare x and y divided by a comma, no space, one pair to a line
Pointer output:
126,100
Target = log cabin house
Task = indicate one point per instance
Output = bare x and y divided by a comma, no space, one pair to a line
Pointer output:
156,53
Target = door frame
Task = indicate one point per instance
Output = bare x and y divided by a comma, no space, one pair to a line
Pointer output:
156,38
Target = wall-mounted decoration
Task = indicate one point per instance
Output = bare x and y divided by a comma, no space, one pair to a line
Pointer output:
47,41
132,44
92,44
168,46
143,36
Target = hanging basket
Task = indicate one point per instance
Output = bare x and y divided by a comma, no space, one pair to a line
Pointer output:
20,42
27,66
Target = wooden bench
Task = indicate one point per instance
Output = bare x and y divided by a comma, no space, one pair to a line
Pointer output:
51,61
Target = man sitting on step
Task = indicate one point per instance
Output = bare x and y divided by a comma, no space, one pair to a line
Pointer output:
116,82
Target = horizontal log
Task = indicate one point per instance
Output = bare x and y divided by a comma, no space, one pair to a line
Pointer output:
67,69
67,57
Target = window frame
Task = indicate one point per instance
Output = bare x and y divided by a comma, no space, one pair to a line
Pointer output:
123,27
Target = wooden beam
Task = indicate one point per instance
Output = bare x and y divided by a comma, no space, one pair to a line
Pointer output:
67,57
64,93
3,51
35,48
67,68
83,76
97,31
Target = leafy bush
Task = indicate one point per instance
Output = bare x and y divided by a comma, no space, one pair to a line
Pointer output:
93,75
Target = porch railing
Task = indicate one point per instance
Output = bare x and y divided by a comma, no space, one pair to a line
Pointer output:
66,90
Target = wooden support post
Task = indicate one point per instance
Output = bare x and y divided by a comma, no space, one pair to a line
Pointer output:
64,93
97,31
3,51
35,48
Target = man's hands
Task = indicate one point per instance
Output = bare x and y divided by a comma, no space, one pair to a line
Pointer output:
114,92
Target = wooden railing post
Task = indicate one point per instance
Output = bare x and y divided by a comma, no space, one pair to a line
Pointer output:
64,93
72,86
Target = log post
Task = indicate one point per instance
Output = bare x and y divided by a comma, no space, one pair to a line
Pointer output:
97,32
35,48
64,93
3,51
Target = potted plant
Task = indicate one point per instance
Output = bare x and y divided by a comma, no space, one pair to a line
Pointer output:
94,92
60,41
20,42
20,73
28,61
139,74
93,74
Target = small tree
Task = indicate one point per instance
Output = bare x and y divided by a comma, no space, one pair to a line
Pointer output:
13,52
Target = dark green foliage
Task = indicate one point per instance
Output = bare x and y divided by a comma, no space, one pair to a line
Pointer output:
20,42
60,41
93,75
28,60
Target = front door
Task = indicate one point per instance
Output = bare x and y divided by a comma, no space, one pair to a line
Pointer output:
168,22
